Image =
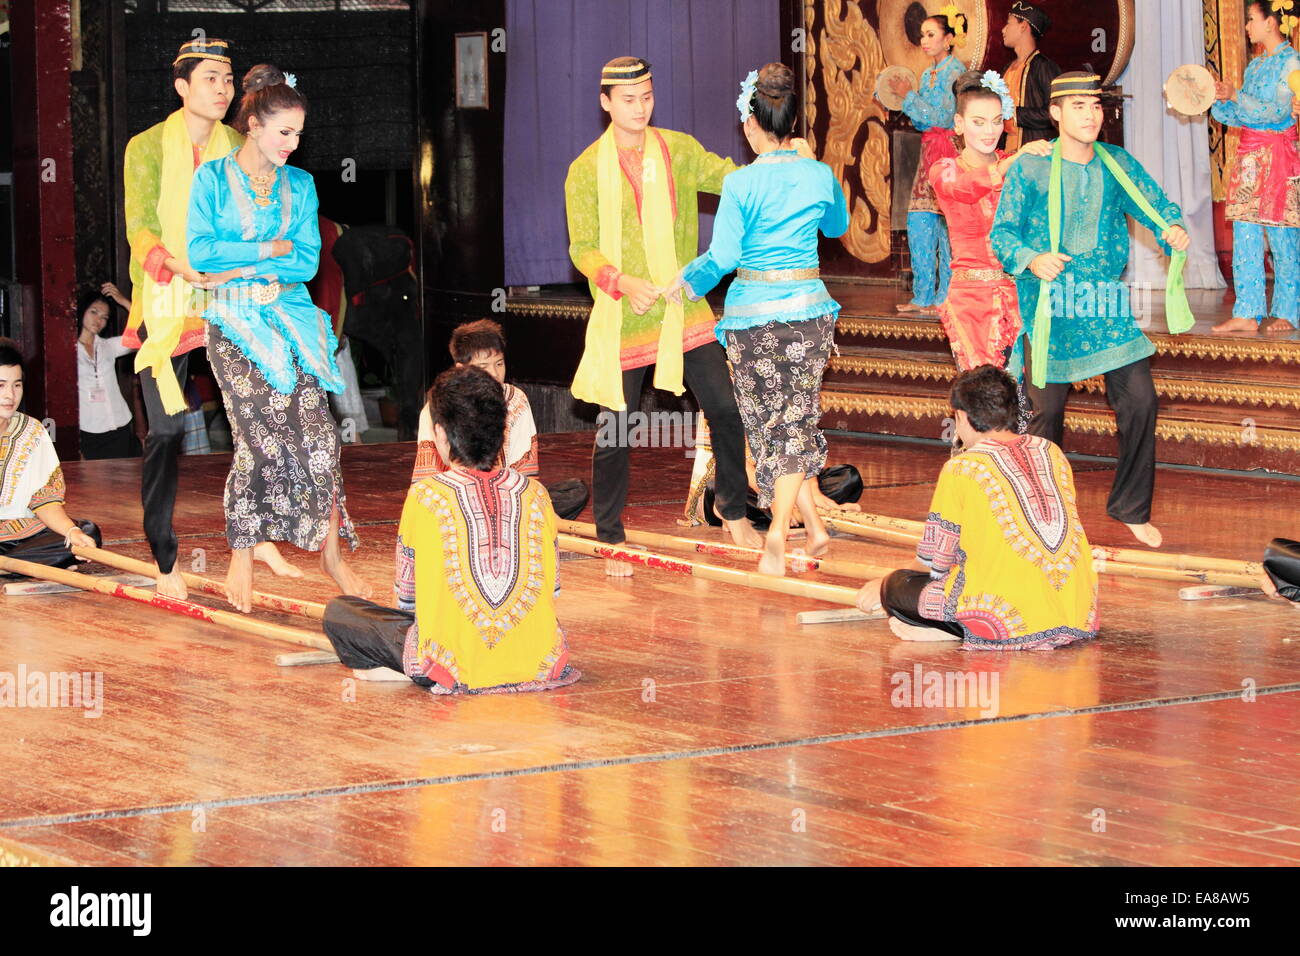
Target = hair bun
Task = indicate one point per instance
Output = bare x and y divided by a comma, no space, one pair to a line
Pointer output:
262,76
775,80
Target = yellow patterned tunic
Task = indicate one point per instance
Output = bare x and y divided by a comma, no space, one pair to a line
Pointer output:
1008,557
483,544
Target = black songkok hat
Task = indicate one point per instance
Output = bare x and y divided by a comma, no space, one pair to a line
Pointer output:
624,71
1076,84
1039,21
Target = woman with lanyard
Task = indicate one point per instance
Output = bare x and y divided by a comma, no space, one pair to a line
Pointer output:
931,110
103,415
1263,195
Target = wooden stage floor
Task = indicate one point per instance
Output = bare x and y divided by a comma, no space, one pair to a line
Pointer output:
709,728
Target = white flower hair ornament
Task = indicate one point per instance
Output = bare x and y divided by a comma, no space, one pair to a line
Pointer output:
991,81
745,102
291,81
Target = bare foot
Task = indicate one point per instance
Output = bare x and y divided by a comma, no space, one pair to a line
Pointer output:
773,560
817,544
910,633
618,569
1277,327
269,554
380,673
1268,587
172,585
332,563
1147,533
909,307
743,533
1238,324
239,580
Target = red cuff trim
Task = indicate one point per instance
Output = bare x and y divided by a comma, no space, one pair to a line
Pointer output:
153,265
607,282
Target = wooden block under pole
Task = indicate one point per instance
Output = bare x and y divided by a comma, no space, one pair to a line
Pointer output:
836,616
25,588
1206,592
306,657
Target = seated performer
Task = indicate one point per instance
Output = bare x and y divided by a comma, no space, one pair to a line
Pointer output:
779,320
483,345
981,314
477,566
1062,230
1009,565
1029,76
33,525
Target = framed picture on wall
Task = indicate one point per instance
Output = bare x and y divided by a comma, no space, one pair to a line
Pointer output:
471,71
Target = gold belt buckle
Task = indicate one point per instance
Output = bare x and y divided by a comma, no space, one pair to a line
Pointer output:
265,294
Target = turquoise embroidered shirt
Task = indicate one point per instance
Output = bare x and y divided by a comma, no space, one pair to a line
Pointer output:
934,104
229,230
1264,101
1093,328
768,219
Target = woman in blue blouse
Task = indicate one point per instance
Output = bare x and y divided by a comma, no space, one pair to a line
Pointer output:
252,224
931,109
779,321
1263,197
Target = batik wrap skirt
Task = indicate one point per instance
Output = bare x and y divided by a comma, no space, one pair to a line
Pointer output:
284,476
776,371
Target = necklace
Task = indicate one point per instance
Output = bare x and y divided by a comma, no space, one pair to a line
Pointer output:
262,188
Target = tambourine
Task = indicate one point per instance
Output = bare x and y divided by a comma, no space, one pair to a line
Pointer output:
884,83
1190,89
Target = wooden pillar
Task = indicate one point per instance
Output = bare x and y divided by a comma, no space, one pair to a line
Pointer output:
44,220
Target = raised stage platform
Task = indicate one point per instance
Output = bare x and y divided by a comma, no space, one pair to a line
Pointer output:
708,728
1227,401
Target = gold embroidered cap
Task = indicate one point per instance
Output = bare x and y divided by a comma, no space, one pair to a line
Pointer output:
624,71
209,49
1076,84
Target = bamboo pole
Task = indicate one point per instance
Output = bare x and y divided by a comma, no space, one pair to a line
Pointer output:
1193,566
831,593
272,602
230,619
1123,569
795,562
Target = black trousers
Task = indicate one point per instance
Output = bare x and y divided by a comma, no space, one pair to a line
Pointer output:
45,547
900,596
705,373
99,445
366,635
1132,395
158,479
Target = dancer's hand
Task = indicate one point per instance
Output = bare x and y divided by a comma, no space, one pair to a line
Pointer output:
1049,265
1223,91
640,292
1177,238
79,539
1039,147
673,291
114,293
281,247
869,597
899,86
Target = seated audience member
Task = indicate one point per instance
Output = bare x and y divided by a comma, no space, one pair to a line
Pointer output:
1009,565
33,525
477,566
482,344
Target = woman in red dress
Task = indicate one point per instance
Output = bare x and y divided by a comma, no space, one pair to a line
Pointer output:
980,315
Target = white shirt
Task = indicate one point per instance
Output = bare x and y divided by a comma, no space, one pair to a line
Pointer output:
102,406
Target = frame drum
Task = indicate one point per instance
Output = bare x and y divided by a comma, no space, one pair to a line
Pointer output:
1190,89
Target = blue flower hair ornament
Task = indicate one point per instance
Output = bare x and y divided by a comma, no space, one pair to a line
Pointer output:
745,102
992,81
291,81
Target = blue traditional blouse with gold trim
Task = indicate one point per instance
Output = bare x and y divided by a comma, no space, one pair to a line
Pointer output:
934,104
768,219
1264,101
268,313
1093,328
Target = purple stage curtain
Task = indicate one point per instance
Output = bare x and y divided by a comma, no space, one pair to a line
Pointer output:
699,51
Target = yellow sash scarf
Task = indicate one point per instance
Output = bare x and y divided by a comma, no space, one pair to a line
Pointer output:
164,308
599,378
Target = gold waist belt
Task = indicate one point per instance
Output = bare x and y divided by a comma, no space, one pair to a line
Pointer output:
979,275
266,293
778,275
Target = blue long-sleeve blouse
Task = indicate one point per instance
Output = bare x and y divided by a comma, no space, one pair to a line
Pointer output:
1264,101
229,230
934,105
768,219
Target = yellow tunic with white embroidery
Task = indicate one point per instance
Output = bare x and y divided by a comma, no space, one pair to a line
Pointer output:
486,568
